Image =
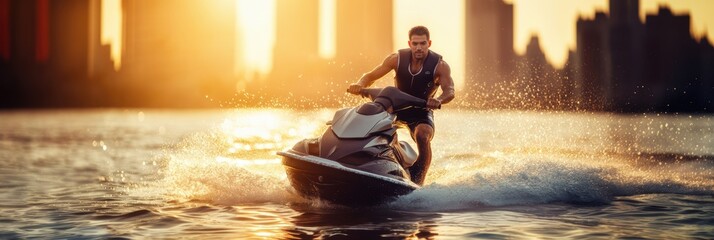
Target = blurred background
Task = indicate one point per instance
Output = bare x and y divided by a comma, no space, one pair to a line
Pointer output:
592,55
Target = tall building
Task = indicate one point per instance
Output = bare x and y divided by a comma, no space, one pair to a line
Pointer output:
614,51
297,66
44,56
4,31
362,42
538,86
99,56
627,55
490,59
69,37
177,52
297,24
22,65
4,52
671,62
69,44
567,76
23,29
705,96
593,64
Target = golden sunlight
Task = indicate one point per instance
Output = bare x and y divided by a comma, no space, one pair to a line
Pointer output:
111,32
445,20
327,28
257,22
264,130
554,21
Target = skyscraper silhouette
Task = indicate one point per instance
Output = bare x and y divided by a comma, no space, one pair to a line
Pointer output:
297,64
622,64
593,63
69,35
23,69
626,36
671,62
490,59
5,84
706,64
538,86
48,54
4,31
364,36
177,52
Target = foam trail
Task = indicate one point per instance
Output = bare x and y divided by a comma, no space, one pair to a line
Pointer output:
198,171
519,181
235,162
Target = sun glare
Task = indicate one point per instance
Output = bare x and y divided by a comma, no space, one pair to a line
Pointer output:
445,20
555,21
327,28
257,22
111,33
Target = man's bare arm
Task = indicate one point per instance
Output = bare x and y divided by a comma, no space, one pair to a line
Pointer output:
446,82
389,63
369,78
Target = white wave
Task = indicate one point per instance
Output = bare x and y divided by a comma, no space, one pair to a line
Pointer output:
523,181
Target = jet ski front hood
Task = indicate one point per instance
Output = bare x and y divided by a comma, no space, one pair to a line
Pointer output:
293,155
347,123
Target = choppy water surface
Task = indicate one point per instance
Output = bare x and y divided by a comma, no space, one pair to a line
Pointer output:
214,174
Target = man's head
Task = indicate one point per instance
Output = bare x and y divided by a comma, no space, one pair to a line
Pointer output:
419,41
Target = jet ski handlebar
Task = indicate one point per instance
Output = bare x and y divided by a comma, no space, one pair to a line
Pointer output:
397,98
370,93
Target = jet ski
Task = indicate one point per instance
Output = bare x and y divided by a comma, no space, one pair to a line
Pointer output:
358,160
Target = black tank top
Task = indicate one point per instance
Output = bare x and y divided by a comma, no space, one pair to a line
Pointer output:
421,84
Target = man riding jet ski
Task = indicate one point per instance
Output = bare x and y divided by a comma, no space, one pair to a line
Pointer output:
358,159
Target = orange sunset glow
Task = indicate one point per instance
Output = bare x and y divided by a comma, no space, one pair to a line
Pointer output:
549,54
111,28
356,119
552,20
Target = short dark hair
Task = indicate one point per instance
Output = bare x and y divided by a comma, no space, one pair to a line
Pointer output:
419,30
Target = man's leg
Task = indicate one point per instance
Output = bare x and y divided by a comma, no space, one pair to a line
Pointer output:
423,134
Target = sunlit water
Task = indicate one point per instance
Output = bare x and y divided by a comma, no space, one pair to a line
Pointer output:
214,174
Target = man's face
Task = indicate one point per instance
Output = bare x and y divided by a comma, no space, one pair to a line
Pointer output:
419,45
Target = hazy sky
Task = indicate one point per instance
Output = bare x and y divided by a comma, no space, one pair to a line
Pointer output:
552,20
445,20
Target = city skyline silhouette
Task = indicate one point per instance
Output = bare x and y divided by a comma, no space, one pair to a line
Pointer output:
181,55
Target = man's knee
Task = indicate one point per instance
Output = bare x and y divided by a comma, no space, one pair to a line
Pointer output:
424,133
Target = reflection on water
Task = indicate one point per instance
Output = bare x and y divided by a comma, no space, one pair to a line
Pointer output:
373,223
237,162
148,174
